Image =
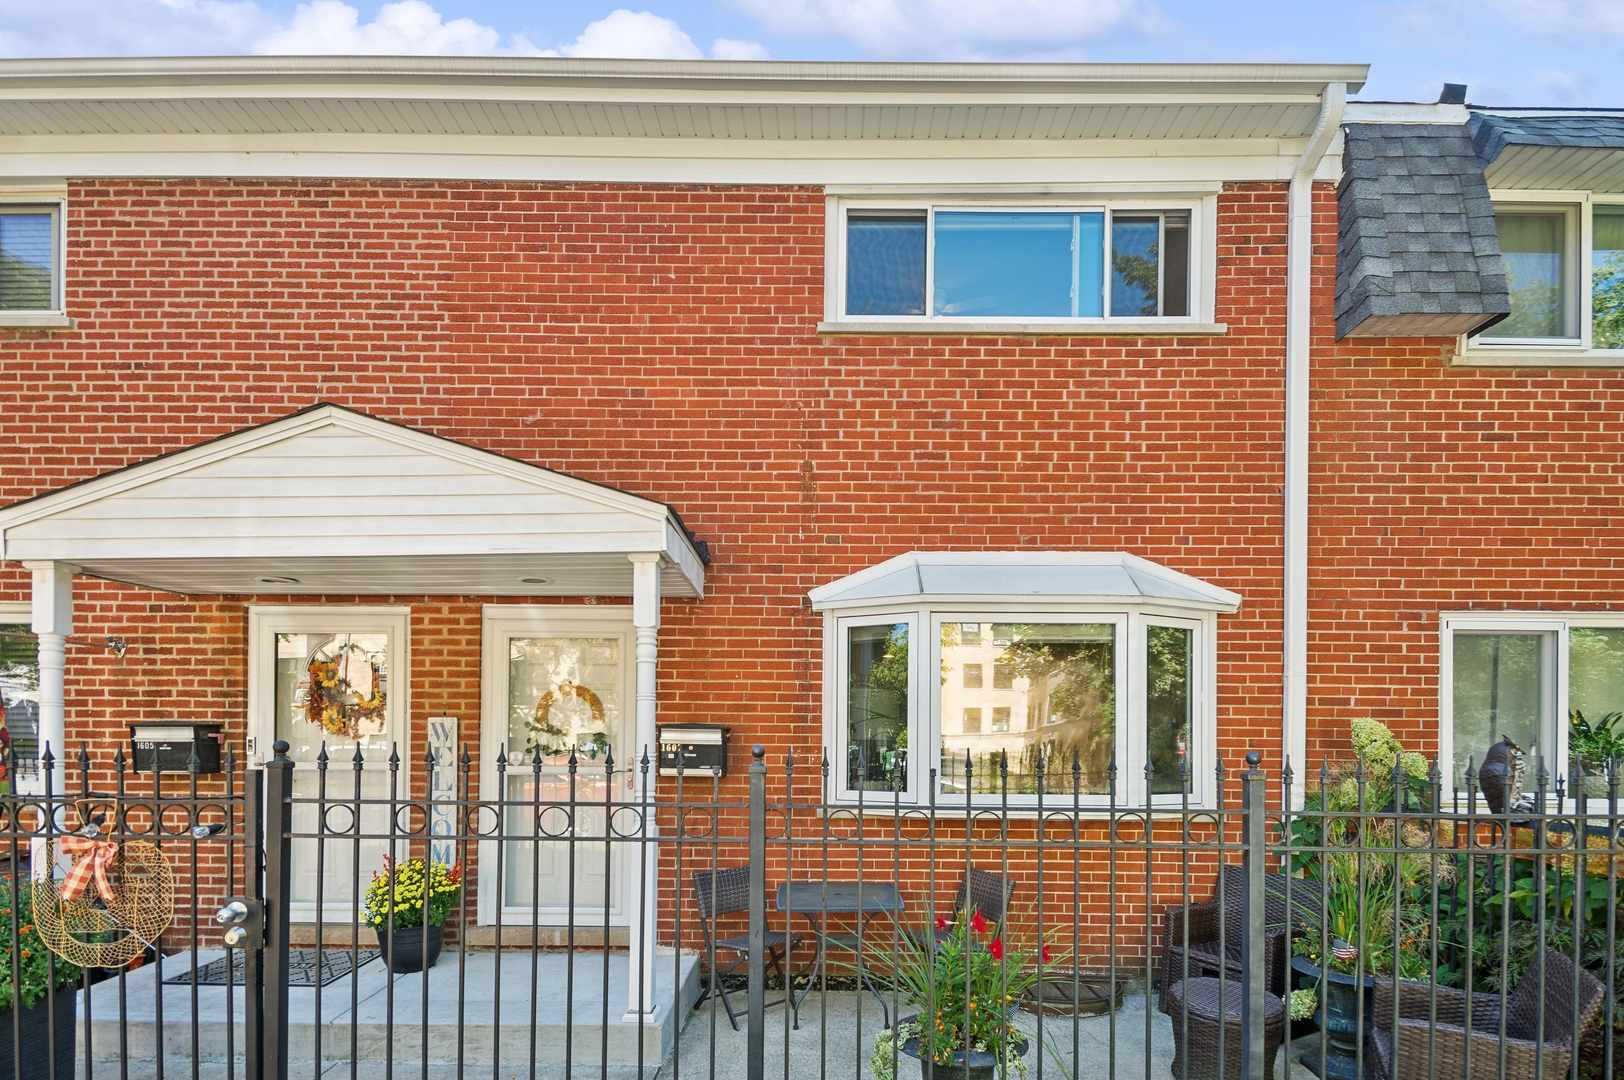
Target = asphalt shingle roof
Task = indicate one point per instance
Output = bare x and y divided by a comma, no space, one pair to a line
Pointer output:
1415,228
1491,133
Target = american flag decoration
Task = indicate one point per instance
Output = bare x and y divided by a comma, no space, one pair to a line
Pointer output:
1344,951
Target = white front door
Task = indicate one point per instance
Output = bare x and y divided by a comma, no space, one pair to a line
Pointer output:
557,681
332,678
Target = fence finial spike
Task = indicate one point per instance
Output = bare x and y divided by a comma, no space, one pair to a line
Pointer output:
46,758
535,758
394,756
358,758
1285,771
119,759
644,762
465,760
1471,772
321,756
84,755
501,757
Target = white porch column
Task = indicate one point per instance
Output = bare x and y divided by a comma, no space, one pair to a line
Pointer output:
646,622
53,621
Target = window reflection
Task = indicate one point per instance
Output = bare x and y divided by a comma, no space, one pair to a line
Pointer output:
1053,692
876,705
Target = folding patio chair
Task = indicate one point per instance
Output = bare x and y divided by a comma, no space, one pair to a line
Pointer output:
725,892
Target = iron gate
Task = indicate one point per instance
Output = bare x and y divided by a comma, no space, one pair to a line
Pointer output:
830,903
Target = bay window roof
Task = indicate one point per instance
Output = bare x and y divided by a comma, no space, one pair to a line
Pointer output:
1091,578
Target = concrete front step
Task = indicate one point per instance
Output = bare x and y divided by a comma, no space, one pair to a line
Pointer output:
363,1022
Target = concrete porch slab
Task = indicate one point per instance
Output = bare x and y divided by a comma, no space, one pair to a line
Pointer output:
476,1017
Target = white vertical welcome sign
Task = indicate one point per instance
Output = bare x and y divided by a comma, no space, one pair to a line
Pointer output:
443,792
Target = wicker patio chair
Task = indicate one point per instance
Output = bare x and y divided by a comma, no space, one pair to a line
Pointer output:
1227,910
1409,1049
725,892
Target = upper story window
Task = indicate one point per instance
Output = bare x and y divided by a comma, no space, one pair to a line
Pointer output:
1564,264
1085,659
30,259
1001,261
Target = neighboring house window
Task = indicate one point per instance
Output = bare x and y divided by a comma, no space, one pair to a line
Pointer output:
1546,682
972,721
30,259
19,695
972,676
984,262
1564,265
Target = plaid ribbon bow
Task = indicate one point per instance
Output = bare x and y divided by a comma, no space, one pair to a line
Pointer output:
98,854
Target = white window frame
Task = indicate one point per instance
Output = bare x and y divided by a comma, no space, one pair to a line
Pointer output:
499,624
1488,350
924,708
23,202
1202,258
1555,624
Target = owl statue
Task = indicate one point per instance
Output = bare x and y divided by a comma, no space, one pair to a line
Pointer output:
1501,778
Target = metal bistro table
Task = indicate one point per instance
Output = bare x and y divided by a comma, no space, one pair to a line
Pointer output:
816,899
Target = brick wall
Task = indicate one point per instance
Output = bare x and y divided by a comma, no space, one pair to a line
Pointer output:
661,339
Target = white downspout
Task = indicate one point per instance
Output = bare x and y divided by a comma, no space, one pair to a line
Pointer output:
1299,333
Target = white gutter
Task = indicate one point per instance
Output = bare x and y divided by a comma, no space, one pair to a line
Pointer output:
1299,280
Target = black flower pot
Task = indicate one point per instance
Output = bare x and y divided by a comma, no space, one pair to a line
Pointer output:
1339,1016
403,950
982,1065
26,1039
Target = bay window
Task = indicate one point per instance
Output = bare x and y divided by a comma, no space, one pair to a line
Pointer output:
963,698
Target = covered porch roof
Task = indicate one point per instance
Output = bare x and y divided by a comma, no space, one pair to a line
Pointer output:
330,500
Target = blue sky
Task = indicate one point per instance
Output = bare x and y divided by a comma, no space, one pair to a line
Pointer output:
1509,52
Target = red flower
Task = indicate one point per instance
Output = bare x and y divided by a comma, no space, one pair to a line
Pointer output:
942,923
996,948
978,924
1045,954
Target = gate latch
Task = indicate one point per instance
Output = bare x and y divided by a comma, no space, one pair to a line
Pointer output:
244,920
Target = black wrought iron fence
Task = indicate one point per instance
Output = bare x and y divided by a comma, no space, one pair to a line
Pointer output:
544,918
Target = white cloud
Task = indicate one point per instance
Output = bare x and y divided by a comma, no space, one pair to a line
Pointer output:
634,35
732,49
1570,21
400,27
960,29
129,27
406,28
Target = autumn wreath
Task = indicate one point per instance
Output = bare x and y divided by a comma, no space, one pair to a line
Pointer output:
336,704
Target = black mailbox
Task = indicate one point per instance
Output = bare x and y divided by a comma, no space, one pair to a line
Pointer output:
168,747
694,748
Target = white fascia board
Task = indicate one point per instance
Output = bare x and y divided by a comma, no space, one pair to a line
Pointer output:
1403,112
680,550
268,434
524,160
130,73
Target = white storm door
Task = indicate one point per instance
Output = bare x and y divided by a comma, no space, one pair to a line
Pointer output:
557,680
333,678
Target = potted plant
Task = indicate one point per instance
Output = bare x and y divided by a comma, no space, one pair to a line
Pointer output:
27,972
970,981
1336,959
1592,745
407,904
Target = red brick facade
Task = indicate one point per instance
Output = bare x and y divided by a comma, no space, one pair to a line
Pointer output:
662,340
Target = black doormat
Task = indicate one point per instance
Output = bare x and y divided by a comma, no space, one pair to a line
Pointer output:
302,968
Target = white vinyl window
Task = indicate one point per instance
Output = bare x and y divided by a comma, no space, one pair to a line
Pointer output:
1536,679
1006,261
30,259
972,700
1563,256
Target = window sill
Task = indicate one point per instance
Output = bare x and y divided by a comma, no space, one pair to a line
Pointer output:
942,327
1028,812
17,320
1555,356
